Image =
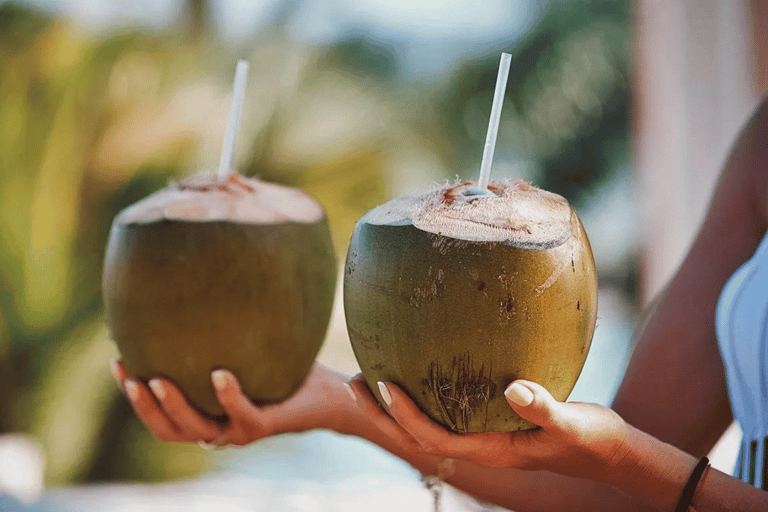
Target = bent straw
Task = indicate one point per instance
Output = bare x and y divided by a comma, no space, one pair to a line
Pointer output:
233,123
493,123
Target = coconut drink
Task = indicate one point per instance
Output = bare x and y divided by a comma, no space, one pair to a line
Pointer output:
456,292
221,271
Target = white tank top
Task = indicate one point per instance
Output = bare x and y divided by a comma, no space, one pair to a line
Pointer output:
742,334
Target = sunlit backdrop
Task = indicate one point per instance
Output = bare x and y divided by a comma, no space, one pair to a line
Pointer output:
102,102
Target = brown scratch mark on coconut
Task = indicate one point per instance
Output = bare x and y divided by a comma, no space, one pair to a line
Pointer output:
443,243
578,305
504,278
507,308
461,392
431,290
387,291
366,341
478,283
440,243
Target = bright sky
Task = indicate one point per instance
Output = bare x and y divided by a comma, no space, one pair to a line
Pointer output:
431,33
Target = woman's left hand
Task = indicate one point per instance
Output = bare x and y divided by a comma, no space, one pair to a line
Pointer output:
573,439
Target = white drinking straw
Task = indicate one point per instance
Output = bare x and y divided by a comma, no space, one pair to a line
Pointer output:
493,123
233,123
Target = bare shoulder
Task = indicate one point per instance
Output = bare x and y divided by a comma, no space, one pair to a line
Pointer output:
738,215
747,166
679,340
759,143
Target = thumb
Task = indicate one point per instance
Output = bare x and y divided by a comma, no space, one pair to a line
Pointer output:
533,402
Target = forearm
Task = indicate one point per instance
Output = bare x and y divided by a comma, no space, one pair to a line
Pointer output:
650,476
656,472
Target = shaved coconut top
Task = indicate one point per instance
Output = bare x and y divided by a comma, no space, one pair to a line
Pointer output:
514,213
202,198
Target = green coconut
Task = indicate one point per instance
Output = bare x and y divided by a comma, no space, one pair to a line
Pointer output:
452,296
204,275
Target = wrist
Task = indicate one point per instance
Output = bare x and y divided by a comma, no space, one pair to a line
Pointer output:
650,469
321,404
343,415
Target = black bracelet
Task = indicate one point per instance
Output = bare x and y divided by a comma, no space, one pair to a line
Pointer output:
686,498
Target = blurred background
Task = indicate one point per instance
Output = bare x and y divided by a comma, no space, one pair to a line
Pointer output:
625,108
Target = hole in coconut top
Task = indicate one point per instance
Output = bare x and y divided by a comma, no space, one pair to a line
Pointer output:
202,198
513,213
471,192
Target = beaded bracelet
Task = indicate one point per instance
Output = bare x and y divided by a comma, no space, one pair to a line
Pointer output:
686,497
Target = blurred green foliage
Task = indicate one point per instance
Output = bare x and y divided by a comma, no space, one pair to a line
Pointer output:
566,106
89,125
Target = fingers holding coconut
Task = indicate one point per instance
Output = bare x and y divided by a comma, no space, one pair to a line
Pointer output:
144,404
534,403
119,372
496,449
158,402
432,438
575,438
190,424
367,402
569,436
378,417
247,422
150,413
415,431
574,424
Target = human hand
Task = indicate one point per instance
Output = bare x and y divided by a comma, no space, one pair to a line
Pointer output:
573,439
166,412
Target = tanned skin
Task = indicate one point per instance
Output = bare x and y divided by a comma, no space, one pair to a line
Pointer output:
671,408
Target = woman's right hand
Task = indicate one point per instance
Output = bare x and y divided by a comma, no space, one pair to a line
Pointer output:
319,403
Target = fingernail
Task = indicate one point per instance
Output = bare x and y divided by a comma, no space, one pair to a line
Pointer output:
385,393
131,389
157,388
220,379
519,394
114,368
350,391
